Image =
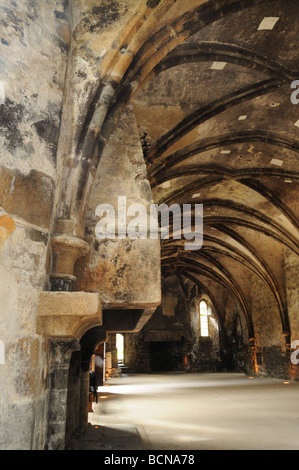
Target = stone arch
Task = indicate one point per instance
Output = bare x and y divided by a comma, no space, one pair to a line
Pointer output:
124,69
78,381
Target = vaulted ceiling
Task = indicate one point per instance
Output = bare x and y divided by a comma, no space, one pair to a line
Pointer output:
209,82
218,128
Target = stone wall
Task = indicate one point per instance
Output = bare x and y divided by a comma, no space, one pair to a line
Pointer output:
50,57
270,342
125,271
137,353
291,281
229,346
34,47
162,343
205,353
73,396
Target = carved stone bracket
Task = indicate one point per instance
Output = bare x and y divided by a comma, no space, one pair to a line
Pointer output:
68,314
66,250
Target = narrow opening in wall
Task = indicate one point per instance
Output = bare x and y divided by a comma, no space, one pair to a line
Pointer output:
120,348
203,315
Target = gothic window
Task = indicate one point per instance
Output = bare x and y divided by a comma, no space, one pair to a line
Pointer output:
203,316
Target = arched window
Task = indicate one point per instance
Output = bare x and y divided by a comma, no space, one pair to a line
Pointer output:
203,316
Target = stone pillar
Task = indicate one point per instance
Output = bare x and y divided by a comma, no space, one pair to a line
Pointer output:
61,351
253,355
114,358
84,396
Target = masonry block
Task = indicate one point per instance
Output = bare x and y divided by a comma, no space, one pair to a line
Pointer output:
68,314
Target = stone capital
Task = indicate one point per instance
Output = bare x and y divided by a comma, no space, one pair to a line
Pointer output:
66,250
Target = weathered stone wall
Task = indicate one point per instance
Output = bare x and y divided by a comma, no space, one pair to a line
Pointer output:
124,271
137,353
50,55
73,397
230,346
268,331
291,281
34,47
163,341
95,27
235,352
291,270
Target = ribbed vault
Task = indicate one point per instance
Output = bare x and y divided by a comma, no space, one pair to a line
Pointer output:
210,85
218,128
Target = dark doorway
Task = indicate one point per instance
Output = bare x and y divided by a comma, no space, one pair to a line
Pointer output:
165,356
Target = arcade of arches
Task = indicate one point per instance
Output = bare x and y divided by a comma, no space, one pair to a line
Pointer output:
191,103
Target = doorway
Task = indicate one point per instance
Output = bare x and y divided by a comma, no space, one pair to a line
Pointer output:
120,349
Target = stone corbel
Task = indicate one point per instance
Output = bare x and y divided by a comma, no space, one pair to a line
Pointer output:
68,314
66,250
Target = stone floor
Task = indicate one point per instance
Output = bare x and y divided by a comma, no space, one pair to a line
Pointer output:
178,411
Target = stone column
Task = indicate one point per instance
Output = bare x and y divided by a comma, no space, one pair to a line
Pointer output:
61,351
84,396
63,317
253,355
114,358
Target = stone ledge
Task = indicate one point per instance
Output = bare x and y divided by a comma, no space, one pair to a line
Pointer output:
68,314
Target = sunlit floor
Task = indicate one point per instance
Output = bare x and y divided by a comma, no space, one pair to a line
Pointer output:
198,412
